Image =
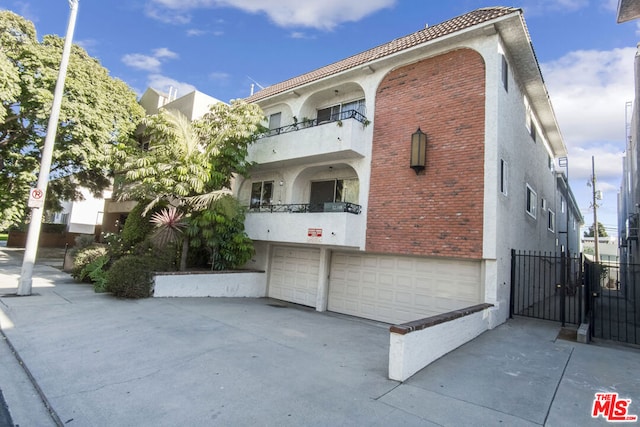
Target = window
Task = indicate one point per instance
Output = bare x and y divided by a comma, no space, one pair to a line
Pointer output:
340,111
274,121
144,141
532,201
551,221
333,191
534,134
261,194
505,73
527,115
503,177
543,204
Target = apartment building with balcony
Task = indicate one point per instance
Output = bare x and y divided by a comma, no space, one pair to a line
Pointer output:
393,184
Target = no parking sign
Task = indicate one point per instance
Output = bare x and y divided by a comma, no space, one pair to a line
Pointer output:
36,198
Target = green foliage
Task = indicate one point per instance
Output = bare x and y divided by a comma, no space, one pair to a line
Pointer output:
97,112
132,275
602,232
220,231
231,129
82,258
176,165
137,227
96,271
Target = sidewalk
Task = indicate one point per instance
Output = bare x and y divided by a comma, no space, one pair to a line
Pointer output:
99,360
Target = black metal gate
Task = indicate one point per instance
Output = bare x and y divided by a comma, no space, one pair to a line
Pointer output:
547,286
614,300
574,290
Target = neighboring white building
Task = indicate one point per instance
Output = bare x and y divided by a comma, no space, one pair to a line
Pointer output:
81,216
343,222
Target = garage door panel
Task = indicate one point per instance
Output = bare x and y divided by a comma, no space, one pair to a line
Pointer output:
400,289
293,275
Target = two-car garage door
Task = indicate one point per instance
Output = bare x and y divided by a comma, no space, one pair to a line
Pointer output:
398,289
393,289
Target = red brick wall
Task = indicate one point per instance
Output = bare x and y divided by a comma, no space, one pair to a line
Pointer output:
438,212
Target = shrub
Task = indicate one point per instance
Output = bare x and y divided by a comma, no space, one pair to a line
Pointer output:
96,270
132,275
136,227
82,258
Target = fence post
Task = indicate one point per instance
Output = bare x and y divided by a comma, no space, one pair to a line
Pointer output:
563,287
513,281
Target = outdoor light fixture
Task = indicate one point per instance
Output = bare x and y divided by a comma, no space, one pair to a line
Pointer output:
418,151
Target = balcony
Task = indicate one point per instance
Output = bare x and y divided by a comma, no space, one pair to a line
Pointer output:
341,137
334,224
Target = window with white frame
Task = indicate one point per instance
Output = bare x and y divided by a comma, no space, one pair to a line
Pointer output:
503,177
340,111
261,194
532,202
551,221
505,73
543,204
274,120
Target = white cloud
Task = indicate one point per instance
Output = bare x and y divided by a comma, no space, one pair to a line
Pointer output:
194,32
323,15
300,35
163,52
589,91
150,63
163,83
219,76
141,62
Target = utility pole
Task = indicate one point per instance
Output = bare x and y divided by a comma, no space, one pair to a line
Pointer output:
33,235
595,209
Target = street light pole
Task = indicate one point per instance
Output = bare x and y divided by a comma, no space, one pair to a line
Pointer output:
33,235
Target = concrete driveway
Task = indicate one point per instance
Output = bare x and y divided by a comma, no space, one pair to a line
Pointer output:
92,360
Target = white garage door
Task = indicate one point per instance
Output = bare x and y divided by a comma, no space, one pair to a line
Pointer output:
293,275
401,289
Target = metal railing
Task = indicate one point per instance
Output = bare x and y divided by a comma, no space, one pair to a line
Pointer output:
308,123
309,207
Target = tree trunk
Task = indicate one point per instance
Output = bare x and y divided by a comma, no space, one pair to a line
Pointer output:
184,254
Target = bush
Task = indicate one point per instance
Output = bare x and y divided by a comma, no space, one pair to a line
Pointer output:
132,275
82,258
96,270
136,227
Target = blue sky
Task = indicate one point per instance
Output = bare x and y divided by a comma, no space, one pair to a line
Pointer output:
222,47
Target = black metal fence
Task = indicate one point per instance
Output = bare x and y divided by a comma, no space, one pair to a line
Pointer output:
613,305
547,286
574,290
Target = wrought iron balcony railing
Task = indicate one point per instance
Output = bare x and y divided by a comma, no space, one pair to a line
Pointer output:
309,207
307,123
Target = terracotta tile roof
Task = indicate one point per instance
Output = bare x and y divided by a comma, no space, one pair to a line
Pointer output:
462,22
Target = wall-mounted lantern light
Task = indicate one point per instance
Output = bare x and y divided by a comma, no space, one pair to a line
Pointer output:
418,151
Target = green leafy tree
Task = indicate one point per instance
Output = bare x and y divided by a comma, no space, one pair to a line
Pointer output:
96,112
219,230
189,166
602,232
